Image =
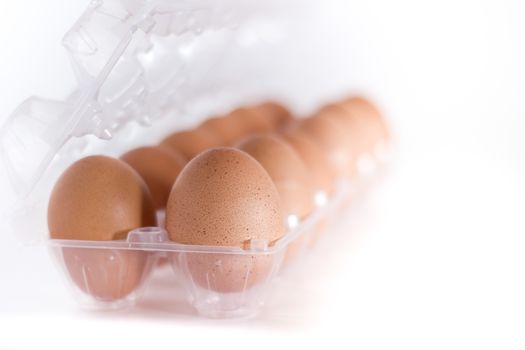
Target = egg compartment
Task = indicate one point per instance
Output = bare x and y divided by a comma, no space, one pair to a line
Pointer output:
219,281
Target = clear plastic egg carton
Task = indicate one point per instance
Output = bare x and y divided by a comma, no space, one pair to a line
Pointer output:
220,282
145,67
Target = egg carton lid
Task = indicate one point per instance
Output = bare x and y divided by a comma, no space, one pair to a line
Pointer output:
135,62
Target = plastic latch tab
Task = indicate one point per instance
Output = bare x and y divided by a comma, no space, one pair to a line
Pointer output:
256,245
147,235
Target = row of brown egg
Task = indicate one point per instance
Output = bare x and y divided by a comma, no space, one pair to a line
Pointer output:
327,144
214,194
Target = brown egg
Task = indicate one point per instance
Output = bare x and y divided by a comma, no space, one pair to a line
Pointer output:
263,118
228,129
323,178
158,167
251,120
224,197
100,198
240,124
291,178
354,127
231,195
370,116
287,171
333,142
278,114
190,142
324,183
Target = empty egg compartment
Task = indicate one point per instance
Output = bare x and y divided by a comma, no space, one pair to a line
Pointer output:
219,281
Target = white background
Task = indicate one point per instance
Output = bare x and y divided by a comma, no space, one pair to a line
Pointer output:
433,259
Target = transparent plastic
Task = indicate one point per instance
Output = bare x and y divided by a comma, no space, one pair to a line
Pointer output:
154,64
221,282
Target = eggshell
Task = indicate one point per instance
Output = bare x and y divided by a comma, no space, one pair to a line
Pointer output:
101,198
224,197
264,118
278,114
354,127
241,123
323,178
362,108
287,171
228,129
158,167
190,142
334,143
290,176
252,121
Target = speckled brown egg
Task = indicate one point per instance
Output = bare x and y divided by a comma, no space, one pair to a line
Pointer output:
287,171
224,197
100,198
333,141
190,142
158,167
